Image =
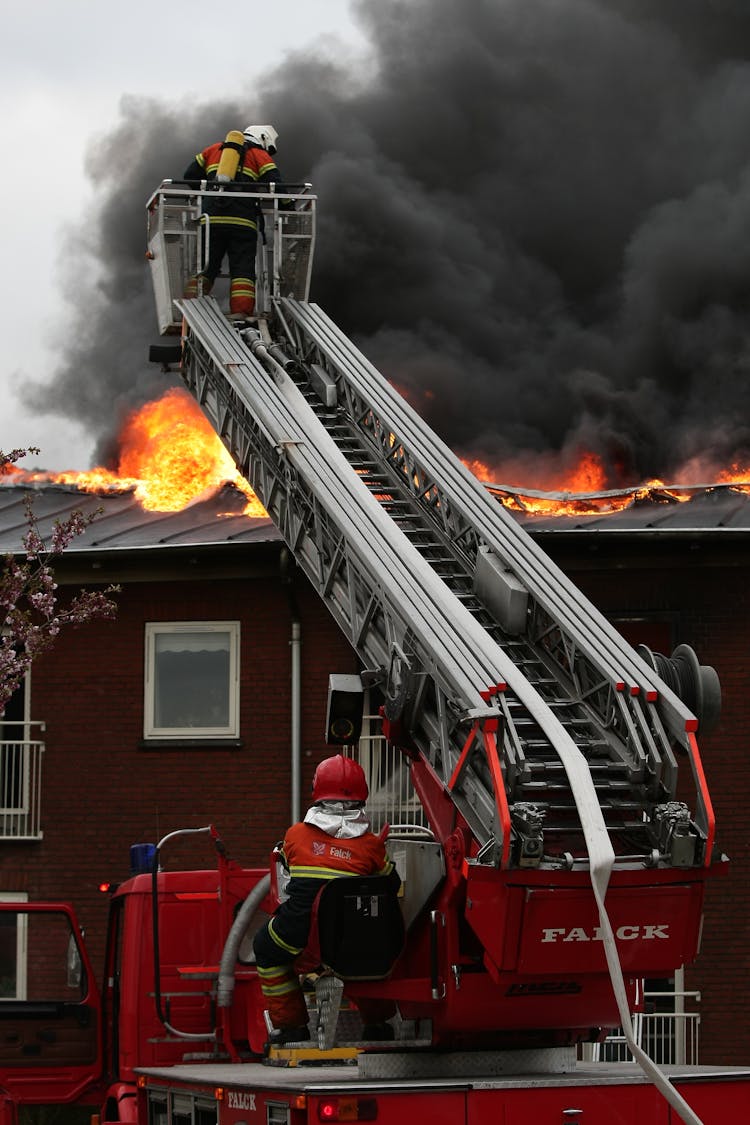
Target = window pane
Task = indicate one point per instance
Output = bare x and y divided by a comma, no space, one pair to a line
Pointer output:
44,944
55,971
191,680
8,956
157,1108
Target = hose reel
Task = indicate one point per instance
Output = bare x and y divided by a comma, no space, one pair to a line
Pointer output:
696,684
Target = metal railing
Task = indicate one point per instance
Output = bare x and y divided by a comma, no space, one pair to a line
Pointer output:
667,1030
392,798
179,231
20,781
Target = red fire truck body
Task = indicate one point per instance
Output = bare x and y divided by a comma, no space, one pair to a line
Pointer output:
154,1047
617,1095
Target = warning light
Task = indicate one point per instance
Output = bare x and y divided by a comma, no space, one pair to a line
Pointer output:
344,711
142,858
342,729
347,1109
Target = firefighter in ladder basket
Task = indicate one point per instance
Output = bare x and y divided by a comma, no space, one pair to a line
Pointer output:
244,160
332,841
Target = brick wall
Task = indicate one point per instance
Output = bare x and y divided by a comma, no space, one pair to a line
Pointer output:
102,792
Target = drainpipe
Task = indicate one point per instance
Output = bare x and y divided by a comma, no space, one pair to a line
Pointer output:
296,646
286,563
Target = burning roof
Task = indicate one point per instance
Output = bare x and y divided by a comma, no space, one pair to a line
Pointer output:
220,517
168,456
175,484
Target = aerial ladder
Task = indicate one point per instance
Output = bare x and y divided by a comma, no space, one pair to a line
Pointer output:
547,753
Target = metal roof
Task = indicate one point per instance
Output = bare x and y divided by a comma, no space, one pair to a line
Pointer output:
678,509
123,525
218,520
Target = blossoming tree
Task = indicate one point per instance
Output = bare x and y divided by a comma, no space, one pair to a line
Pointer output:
31,615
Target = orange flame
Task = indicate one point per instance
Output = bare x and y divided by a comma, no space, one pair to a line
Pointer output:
169,456
735,474
574,487
587,475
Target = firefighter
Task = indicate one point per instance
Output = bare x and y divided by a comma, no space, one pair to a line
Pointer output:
233,232
333,840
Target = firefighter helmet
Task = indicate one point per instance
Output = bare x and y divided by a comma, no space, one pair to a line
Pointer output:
263,135
339,779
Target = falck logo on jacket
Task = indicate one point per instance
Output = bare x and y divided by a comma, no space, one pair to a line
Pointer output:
318,848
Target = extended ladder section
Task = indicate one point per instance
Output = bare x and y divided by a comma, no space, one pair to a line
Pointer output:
544,725
539,740
547,730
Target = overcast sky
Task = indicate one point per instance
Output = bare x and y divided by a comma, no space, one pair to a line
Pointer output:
534,219
65,68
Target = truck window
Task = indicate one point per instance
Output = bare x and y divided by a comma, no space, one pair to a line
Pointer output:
39,958
187,1108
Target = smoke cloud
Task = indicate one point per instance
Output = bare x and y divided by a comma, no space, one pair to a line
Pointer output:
534,218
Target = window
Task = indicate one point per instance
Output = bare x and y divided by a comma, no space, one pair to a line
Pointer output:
191,684
12,950
186,1108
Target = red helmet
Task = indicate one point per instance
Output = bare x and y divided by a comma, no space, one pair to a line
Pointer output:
339,779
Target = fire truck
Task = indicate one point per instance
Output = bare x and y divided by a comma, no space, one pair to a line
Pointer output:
562,832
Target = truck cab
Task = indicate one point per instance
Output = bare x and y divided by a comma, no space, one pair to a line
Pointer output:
50,1006
64,1040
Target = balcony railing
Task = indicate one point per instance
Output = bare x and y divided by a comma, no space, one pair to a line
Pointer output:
20,780
667,1030
392,798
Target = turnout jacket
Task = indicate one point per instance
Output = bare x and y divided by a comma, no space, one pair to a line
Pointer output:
256,167
311,853
314,856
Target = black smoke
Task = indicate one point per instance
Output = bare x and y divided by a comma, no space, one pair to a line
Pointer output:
534,217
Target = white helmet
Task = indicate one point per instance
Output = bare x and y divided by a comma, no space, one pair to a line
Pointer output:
263,135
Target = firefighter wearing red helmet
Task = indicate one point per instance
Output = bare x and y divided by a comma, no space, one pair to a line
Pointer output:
339,779
333,840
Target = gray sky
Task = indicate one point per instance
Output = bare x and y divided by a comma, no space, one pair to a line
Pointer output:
534,220
65,68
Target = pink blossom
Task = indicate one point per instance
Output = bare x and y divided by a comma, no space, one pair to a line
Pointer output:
30,616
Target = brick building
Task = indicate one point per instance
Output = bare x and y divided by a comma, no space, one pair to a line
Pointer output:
121,764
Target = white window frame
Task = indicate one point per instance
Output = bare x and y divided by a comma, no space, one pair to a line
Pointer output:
21,944
155,629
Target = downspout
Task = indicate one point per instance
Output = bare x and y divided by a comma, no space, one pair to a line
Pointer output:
286,564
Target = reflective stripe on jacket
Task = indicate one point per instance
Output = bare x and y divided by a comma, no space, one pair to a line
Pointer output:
311,853
256,166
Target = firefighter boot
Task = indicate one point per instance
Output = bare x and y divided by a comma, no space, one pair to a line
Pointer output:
198,281
281,1035
241,298
288,1014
